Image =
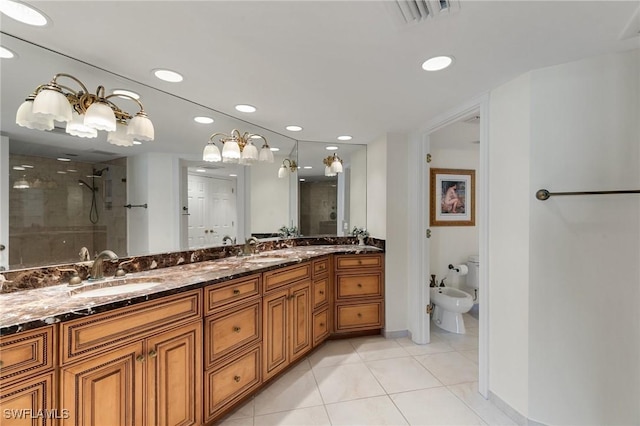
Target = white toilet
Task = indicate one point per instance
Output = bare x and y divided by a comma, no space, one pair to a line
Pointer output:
450,303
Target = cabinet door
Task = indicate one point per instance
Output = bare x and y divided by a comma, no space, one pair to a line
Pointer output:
274,309
26,399
105,389
300,320
174,376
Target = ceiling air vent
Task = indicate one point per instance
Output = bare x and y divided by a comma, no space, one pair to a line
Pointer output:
407,12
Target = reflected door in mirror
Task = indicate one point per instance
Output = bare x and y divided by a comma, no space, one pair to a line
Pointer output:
212,210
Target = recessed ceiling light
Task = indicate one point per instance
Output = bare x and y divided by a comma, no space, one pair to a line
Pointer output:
168,75
125,92
6,53
27,166
302,180
274,149
137,143
203,120
23,13
331,148
200,170
61,172
437,63
18,168
293,128
308,167
245,108
63,159
233,175
72,170
345,138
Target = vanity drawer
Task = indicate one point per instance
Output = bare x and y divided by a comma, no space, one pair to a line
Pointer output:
320,292
234,379
320,326
361,285
26,354
321,267
361,316
105,331
279,277
232,329
357,261
217,296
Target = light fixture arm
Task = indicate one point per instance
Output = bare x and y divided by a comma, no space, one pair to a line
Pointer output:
118,111
292,164
54,82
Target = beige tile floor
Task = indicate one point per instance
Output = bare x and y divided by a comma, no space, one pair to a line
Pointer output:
378,381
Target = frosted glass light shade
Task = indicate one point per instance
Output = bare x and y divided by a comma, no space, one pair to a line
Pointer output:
328,171
120,136
141,128
211,153
231,151
52,104
250,153
266,155
100,116
26,118
282,172
76,127
21,184
336,166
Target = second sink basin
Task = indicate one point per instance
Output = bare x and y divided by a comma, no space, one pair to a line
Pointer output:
115,287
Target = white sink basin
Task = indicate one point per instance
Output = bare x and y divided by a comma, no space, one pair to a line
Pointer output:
265,259
114,288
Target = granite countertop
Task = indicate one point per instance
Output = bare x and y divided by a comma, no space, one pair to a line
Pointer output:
29,309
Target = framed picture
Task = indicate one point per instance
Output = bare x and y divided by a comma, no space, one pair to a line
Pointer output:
452,197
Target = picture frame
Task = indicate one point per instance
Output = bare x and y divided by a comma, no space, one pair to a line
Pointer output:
452,197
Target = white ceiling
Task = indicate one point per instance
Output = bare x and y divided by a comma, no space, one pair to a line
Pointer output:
333,67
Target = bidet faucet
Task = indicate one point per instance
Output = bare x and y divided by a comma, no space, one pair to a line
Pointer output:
228,238
97,269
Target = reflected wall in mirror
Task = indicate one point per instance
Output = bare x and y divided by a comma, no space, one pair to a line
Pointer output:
156,172
331,205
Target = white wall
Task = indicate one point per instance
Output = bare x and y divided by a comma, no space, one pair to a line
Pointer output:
269,198
454,244
508,260
584,328
377,187
4,201
153,179
358,190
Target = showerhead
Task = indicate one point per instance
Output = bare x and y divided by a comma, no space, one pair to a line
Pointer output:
99,172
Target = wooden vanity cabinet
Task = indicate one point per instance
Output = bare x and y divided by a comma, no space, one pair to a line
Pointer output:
232,343
136,365
28,379
287,320
359,293
321,296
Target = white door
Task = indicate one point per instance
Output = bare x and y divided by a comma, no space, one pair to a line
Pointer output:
212,208
4,203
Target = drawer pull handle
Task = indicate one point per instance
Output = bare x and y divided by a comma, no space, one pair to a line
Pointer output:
236,291
321,292
321,324
359,262
153,353
236,378
236,329
359,315
359,285
140,358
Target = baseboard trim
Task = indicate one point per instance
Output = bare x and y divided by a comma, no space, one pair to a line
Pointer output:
508,410
395,334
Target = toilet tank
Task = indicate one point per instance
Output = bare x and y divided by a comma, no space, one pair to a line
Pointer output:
473,277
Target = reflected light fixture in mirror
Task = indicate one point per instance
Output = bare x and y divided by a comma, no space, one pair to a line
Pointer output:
286,167
332,165
237,148
84,113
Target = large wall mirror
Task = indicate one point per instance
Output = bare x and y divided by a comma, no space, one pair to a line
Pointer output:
57,209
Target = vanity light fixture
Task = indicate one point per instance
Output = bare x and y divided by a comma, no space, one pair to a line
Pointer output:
332,165
21,184
237,148
287,166
85,113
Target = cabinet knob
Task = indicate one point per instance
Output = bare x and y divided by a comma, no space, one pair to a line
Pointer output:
236,329
359,285
321,324
321,292
153,353
236,291
359,315
140,358
359,262
236,378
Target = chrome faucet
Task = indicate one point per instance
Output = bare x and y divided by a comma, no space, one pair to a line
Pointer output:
97,270
228,238
248,250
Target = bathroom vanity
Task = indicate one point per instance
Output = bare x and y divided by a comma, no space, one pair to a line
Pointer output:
188,349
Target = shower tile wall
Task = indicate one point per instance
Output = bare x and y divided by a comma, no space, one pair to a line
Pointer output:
318,211
49,221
